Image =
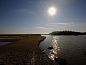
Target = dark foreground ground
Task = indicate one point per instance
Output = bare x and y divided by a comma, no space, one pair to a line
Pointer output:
23,50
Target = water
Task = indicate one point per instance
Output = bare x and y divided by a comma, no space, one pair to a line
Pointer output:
71,48
4,43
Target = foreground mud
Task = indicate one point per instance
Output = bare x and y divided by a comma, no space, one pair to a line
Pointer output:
24,51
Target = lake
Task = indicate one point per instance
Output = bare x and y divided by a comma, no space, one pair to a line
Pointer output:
71,48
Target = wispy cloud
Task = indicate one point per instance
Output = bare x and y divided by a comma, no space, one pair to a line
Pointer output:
39,27
65,1
63,23
51,25
27,11
54,24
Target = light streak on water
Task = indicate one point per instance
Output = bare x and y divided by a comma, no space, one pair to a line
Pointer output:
66,47
54,52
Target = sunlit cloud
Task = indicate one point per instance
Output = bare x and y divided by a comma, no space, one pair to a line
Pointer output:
54,24
62,23
65,1
39,27
50,25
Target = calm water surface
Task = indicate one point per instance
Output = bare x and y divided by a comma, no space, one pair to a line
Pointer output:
71,48
4,43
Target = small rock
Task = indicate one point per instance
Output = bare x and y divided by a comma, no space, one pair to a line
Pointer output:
50,48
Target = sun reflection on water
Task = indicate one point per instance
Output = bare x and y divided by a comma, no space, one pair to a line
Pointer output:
55,51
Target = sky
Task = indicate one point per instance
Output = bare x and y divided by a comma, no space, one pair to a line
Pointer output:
31,16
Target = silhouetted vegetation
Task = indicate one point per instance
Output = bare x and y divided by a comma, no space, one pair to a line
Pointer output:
67,33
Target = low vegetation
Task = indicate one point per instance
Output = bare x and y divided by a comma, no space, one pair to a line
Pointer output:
67,33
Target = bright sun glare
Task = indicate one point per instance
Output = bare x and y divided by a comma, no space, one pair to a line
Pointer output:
52,11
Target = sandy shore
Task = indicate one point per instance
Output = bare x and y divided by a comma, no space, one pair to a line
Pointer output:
24,52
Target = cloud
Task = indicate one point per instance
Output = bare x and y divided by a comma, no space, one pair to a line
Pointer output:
62,23
54,24
51,25
27,11
39,27
65,1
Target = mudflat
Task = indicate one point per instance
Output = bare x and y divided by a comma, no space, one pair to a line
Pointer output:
24,51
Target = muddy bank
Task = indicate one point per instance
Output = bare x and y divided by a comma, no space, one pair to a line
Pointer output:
24,52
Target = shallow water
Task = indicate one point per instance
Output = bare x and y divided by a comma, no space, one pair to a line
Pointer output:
71,48
4,43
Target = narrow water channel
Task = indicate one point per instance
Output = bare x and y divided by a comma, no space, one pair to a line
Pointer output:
4,43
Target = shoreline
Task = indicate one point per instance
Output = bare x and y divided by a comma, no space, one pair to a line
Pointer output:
24,52
43,38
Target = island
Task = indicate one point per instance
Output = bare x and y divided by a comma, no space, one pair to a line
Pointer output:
67,33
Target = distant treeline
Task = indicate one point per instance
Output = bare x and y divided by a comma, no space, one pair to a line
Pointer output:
67,33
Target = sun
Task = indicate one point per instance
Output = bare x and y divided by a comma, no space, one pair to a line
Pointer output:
52,11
